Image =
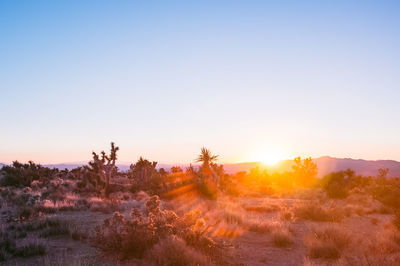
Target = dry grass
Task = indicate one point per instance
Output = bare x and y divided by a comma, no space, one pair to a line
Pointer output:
262,209
313,212
106,207
282,238
174,251
326,243
262,227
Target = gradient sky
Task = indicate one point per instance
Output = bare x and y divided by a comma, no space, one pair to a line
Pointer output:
164,78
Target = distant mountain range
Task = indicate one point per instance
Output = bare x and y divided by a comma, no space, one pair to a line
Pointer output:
325,165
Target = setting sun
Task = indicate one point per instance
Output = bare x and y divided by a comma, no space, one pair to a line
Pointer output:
271,159
267,157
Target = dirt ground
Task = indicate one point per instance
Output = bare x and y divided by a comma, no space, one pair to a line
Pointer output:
231,220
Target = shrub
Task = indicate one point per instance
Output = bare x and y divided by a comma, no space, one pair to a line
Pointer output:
8,246
261,227
30,250
326,243
387,191
320,250
21,175
396,220
206,187
78,235
3,256
316,213
133,238
25,199
25,213
282,239
232,218
174,251
22,235
271,208
58,230
45,209
6,243
287,215
146,177
337,184
35,225
107,207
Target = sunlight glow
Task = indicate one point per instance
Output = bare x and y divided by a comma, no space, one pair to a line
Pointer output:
269,158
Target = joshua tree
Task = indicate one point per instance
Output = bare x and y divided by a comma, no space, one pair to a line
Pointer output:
208,174
206,158
176,169
105,166
383,172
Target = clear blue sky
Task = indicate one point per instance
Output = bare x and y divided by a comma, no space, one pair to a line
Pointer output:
164,78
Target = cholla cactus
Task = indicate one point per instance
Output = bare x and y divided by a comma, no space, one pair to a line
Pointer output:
105,165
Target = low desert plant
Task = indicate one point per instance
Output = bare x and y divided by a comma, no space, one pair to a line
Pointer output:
21,175
270,208
25,213
57,230
326,243
282,238
317,213
30,250
262,227
7,244
134,237
174,251
321,250
9,248
107,207
396,220
3,256
233,218
77,234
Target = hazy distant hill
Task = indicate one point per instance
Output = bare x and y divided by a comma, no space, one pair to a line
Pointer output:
364,167
325,165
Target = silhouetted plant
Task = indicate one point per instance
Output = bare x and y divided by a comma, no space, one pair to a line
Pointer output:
206,157
208,175
305,171
146,177
382,173
176,169
387,191
104,166
19,175
338,184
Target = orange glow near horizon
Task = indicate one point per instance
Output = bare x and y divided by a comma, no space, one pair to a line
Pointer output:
268,157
